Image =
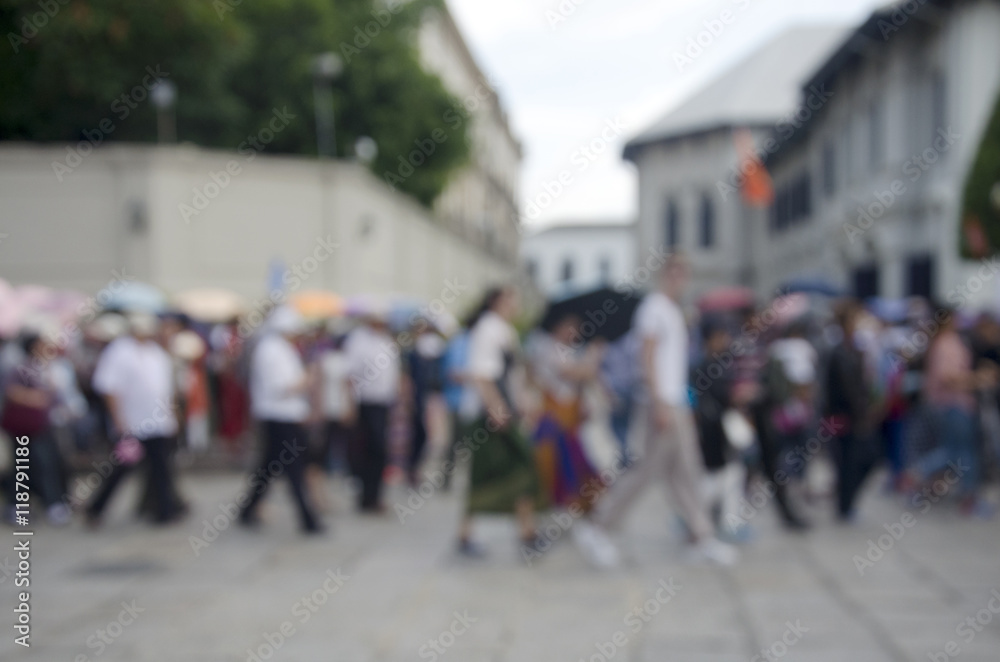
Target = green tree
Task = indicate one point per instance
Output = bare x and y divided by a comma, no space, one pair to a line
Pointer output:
984,175
234,63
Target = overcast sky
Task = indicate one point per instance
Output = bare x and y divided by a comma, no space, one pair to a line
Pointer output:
564,75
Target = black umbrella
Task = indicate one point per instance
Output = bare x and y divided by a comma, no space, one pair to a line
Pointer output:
603,313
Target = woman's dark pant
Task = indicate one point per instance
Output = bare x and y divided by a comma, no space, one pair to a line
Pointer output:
285,452
372,426
856,456
159,475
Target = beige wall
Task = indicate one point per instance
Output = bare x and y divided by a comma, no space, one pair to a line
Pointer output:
121,209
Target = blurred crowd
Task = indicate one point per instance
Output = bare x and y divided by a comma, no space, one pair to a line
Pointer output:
731,406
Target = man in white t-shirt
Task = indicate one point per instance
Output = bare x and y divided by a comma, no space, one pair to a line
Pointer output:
374,368
135,376
672,457
279,402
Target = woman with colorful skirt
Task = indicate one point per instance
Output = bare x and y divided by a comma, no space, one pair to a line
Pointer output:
561,368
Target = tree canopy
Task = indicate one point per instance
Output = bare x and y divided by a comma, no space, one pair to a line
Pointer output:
69,65
980,208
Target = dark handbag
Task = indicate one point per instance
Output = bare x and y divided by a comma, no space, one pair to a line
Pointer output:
21,419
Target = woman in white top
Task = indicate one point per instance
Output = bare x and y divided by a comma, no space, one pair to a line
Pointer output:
502,476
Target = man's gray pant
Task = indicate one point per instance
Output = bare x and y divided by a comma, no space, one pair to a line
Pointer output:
672,458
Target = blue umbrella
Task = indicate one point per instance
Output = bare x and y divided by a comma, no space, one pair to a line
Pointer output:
135,297
809,285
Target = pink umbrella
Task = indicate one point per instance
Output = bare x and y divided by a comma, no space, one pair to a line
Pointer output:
11,310
724,299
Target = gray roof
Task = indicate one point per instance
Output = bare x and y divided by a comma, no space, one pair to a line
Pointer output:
760,90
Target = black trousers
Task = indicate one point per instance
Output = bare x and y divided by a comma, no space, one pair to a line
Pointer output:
373,420
856,456
770,450
418,438
159,476
284,452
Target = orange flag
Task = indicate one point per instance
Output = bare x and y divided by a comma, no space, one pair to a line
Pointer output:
757,188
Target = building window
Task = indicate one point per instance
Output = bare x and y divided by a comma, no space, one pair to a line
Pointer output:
829,169
939,104
706,222
567,270
876,135
920,276
866,281
792,203
672,229
604,269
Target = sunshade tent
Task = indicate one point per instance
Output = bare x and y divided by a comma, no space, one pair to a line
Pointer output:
210,304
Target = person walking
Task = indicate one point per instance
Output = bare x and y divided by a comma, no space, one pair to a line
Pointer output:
561,372
135,376
672,455
850,413
279,402
374,361
502,475
29,398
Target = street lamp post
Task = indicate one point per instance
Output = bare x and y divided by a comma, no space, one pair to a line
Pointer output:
164,97
326,67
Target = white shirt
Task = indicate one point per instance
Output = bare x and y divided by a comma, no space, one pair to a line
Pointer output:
660,319
275,372
335,369
798,357
374,366
549,358
140,377
490,340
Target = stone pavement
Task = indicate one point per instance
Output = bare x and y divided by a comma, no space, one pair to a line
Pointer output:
377,590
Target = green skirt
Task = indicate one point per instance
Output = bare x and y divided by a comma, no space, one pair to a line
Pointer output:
502,469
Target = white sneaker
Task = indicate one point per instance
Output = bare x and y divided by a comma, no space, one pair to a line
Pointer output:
715,551
595,545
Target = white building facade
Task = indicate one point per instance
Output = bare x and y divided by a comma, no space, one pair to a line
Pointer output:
687,161
882,166
568,259
480,201
184,217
